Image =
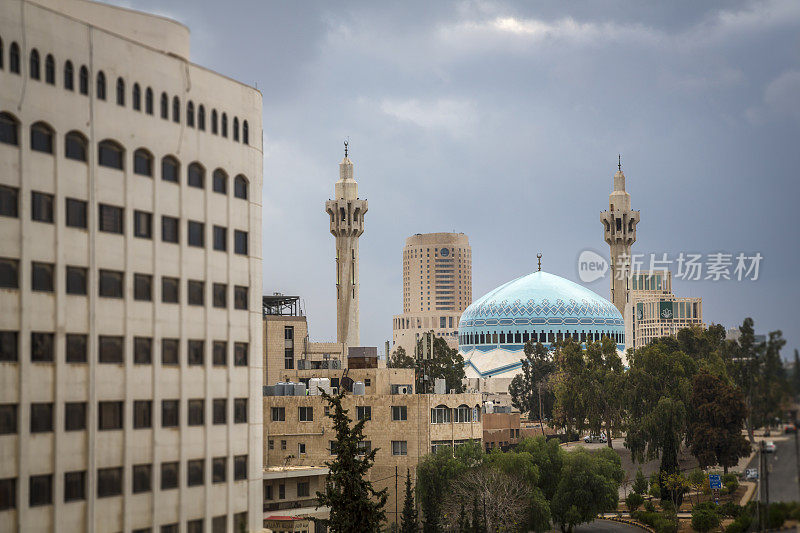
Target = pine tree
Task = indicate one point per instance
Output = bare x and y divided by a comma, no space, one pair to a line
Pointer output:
408,519
354,504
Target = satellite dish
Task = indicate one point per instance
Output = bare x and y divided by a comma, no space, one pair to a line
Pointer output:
346,383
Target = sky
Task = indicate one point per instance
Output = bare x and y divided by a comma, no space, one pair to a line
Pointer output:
503,120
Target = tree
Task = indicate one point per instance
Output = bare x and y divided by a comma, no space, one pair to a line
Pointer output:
640,483
354,504
634,501
529,389
399,359
408,519
445,363
522,467
704,519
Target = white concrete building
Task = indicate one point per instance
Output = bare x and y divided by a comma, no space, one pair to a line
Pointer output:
130,277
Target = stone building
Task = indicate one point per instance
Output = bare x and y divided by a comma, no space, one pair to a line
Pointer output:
130,277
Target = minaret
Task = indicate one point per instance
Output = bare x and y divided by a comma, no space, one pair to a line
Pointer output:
346,211
619,229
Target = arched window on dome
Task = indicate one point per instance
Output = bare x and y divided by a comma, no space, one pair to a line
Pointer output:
50,70
136,97
33,69
13,58
148,101
101,86
502,337
83,80
69,76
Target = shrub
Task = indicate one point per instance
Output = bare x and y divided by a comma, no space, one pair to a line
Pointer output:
777,515
668,506
633,501
730,509
661,522
640,483
704,520
649,506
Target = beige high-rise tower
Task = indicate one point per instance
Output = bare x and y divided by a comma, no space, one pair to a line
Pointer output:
619,227
346,211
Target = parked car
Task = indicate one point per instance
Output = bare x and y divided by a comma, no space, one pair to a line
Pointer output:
789,428
769,447
751,474
594,438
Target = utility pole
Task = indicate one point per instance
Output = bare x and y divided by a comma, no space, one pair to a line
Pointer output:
797,453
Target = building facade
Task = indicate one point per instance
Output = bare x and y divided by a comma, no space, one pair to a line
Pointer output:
130,277
437,287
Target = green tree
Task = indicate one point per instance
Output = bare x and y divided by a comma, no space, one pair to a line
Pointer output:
445,363
634,501
354,504
704,519
771,386
640,483
399,359
529,389
521,466
409,519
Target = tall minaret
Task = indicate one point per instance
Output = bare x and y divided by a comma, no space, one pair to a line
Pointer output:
619,228
347,224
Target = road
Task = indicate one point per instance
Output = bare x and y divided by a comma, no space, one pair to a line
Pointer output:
606,526
782,470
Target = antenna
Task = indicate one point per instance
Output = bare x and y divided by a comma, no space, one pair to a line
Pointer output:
346,145
539,259
619,162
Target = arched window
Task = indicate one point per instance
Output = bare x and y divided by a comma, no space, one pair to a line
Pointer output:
42,138
196,175
34,64
176,109
190,114
75,146
84,80
69,76
214,121
169,169
120,91
220,182
240,186
201,118
440,415
143,162
137,97
50,70
463,414
101,85
9,129
148,101
164,106
110,154
224,125
245,133
236,129
13,58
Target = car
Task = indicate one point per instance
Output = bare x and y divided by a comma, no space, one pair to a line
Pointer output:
594,438
769,447
790,428
751,474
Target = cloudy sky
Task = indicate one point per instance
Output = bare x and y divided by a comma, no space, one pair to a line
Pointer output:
503,120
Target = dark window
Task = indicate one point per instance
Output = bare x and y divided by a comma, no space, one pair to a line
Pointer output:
9,346
110,285
190,114
169,528
278,414
220,356
176,109
142,162
143,287
8,492
84,80
240,350
169,476
240,411
170,290
75,146
236,129
41,417
195,290
74,486
196,412
34,65
76,348
170,231
220,408
110,218
224,123
214,121
169,413
245,133
13,58
74,416
169,351
142,478
41,207
220,295
239,467
9,273
240,521
240,187
76,213
76,280
196,233
302,489
194,526
69,76
9,201
142,414
164,106
169,169
110,349
240,297
148,101
42,347
196,175
50,70
142,350
201,118
220,181
240,242
41,138
40,490
195,351
109,482
101,86
220,467
136,97
110,154
42,278
8,418
364,412
143,224
109,415
120,91
9,129
220,238
194,472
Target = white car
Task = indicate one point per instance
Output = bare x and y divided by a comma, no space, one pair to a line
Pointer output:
769,447
594,438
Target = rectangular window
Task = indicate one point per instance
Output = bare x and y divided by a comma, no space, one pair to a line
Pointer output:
169,413
219,524
239,467
195,352
220,408
76,213
42,278
41,207
74,416
195,472
76,348
41,417
399,447
74,486
196,232
169,351
142,350
220,466
364,412
195,292
142,414
303,489
196,525
110,349
221,238
220,295
196,412
109,482
306,414
281,491
142,478
240,410
76,280
9,273
240,242
110,219
9,201
8,418
240,351
301,448
40,490
110,285
169,475
143,287
170,229
8,494
399,413
240,297
278,414
364,447
170,290
42,347
143,224
220,355
109,416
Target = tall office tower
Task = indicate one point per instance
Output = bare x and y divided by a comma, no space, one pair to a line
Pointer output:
130,277
346,212
437,287
619,230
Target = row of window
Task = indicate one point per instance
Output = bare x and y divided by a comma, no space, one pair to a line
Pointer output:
542,336
111,349
439,415
110,481
35,73
303,490
111,415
